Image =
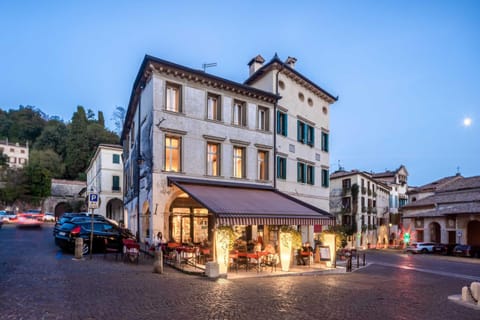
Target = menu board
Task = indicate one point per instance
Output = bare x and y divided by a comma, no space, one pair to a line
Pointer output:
325,253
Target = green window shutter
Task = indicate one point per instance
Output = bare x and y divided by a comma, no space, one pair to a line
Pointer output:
299,131
278,168
310,135
285,124
279,124
312,175
284,168
116,183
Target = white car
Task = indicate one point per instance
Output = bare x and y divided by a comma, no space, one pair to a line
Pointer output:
49,217
420,247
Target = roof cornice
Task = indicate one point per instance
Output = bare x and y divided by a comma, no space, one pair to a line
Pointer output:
151,65
277,64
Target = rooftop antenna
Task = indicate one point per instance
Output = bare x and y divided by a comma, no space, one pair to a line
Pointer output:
208,65
458,170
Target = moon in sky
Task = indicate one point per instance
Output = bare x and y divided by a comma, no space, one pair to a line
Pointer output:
467,122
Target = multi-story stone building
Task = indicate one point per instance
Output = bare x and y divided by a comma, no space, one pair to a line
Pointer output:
361,203
445,211
105,177
202,151
302,131
17,154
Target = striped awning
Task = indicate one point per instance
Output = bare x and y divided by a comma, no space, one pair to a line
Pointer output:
242,204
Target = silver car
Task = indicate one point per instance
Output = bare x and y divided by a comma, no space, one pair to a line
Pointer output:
420,247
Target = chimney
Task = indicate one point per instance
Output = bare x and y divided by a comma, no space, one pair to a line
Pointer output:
291,62
255,64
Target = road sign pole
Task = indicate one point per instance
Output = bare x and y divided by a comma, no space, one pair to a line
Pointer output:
92,204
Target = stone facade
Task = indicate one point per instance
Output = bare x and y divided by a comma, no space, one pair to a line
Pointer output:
179,135
16,153
105,177
445,211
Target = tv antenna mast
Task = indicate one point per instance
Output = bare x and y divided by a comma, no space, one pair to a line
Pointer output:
208,65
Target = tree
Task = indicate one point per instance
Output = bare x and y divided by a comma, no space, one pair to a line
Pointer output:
77,144
101,119
38,182
26,124
54,137
49,160
13,185
118,119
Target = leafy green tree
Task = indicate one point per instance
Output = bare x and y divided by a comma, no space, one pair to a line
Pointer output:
49,160
5,124
38,182
14,185
26,124
77,146
54,137
118,118
101,119
90,115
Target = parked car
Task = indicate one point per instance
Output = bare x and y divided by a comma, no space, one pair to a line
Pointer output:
29,220
465,250
8,216
420,247
104,234
66,217
49,217
442,248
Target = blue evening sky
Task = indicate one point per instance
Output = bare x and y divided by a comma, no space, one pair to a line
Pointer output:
407,73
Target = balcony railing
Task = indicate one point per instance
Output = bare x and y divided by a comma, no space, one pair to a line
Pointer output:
364,190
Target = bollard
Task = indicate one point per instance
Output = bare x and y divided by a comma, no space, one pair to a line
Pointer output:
78,248
358,260
364,259
158,262
349,264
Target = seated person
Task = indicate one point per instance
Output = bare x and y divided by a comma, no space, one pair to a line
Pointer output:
307,251
270,248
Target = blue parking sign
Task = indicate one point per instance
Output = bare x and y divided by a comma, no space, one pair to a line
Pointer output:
93,201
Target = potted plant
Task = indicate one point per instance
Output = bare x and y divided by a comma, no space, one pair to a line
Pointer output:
290,239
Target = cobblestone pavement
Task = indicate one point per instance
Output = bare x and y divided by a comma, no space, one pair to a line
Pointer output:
39,282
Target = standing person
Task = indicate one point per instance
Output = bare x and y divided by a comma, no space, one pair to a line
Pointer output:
160,242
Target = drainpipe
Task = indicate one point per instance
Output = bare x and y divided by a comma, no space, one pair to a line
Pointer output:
275,129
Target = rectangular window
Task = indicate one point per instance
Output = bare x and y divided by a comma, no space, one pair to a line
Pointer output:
239,162
301,132
116,158
310,175
263,118
173,100
282,123
346,184
262,160
213,159
173,154
301,172
239,114
325,178
324,141
305,133
281,168
115,183
213,107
